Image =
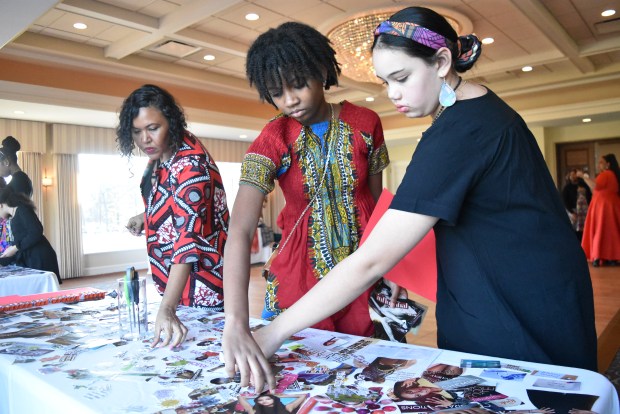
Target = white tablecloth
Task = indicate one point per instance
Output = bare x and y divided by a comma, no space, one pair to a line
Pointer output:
15,280
67,359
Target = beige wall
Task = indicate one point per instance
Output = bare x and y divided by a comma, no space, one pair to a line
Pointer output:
547,139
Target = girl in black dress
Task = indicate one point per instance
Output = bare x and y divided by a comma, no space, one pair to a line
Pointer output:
31,248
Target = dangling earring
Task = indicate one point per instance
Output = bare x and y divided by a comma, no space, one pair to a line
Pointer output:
447,96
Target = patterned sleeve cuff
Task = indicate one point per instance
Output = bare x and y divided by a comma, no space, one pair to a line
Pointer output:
258,171
379,160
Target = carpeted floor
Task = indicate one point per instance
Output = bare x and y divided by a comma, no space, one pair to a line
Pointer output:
613,372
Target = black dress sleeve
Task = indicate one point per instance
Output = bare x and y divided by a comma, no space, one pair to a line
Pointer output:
26,227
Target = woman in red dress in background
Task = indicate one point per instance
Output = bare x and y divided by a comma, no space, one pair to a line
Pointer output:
601,234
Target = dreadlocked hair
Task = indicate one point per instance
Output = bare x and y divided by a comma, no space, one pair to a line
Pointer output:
294,53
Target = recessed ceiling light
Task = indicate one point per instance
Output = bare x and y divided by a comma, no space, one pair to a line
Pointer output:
19,112
527,68
487,40
608,13
370,99
80,26
586,120
252,16
209,57
243,136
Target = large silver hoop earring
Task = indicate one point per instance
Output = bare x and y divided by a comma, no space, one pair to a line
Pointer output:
447,96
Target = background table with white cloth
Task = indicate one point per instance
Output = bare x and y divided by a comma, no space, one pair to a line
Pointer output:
68,359
16,280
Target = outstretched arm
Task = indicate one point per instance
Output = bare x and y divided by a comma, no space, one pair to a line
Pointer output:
375,182
167,321
345,282
240,351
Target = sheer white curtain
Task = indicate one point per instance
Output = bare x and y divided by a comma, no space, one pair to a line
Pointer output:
70,253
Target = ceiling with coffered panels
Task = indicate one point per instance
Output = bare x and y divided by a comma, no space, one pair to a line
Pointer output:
573,50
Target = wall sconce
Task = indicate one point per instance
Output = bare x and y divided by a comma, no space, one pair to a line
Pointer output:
46,182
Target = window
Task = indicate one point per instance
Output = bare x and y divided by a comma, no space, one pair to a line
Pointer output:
230,172
109,195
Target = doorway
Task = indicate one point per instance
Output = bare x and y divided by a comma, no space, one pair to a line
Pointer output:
583,155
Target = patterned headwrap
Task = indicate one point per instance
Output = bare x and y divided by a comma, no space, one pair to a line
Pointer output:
414,32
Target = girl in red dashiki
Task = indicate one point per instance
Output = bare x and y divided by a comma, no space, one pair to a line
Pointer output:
186,222
331,229
328,160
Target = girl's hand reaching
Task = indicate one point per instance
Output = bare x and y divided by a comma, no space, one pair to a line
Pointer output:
398,292
168,324
246,354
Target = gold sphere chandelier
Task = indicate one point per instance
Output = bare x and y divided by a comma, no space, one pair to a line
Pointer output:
353,39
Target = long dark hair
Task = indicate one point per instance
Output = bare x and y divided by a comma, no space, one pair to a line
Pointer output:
144,97
8,152
470,45
293,51
613,166
278,406
435,393
13,198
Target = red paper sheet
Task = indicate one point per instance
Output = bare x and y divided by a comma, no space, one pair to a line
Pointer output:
417,271
14,302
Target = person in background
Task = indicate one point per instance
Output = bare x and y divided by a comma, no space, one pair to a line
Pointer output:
601,234
30,246
20,182
186,217
581,209
512,279
4,226
576,195
328,160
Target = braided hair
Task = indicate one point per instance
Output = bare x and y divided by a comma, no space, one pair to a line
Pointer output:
8,152
465,50
293,52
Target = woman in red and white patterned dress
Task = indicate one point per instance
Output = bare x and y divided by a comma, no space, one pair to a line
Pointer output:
186,215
